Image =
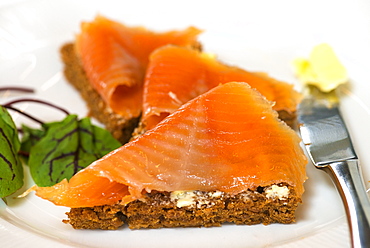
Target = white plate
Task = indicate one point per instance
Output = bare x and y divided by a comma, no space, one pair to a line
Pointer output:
257,35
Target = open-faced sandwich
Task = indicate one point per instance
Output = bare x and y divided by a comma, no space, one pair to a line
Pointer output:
209,147
122,75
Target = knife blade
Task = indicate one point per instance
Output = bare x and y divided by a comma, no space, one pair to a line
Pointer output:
330,148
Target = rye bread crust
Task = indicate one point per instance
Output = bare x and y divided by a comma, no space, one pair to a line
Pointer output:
159,210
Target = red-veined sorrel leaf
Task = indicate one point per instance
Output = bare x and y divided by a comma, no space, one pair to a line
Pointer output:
67,147
11,170
30,136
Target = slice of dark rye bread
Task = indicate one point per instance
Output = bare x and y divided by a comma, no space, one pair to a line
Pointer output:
161,209
200,209
121,128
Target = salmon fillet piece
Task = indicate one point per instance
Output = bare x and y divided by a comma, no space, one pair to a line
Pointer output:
201,146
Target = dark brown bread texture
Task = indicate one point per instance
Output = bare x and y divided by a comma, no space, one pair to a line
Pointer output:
158,210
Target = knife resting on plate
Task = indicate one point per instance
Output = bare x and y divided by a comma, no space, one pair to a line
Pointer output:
329,146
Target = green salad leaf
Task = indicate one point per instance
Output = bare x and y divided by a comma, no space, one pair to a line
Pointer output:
11,170
67,147
30,136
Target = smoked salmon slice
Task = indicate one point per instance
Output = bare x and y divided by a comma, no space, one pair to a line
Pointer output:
177,74
115,58
227,139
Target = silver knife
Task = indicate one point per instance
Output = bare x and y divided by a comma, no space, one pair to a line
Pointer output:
329,146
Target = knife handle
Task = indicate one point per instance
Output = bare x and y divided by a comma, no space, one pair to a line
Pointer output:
348,179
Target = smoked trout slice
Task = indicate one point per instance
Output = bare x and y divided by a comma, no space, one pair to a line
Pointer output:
177,74
227,139
115,58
